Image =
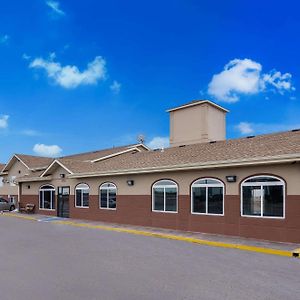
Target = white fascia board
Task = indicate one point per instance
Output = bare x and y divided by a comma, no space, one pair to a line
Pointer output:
59,163
14,157
115,154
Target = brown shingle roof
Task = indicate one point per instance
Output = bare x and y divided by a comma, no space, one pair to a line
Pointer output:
88,156
35,162
240,150
271,145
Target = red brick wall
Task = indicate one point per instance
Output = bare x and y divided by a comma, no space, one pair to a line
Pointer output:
34,199
136,210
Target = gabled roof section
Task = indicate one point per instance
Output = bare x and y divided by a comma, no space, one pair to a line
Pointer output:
53,166
199,102
87,158
98,154
33,163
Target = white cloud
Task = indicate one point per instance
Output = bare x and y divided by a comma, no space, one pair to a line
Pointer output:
115,87
4,121
159,142
55,6
244,77
30,132
281,82
47,150
244,128
70,76
25,56
4,39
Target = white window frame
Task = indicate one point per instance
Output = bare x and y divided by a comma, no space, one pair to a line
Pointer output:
107,188
43,197
78,188
156,185
206,186
261,184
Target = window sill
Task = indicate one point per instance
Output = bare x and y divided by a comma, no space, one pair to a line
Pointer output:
82,206
165,212
107,208
263,217
207,214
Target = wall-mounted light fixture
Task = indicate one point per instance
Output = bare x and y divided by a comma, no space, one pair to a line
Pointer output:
62,175
130,182
231,178
28,186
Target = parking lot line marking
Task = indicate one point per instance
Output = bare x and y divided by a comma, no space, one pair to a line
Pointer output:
242,247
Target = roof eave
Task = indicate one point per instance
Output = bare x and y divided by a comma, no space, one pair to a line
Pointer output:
207,165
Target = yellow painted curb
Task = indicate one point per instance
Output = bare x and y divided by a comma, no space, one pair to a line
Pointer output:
182,238
19,216
170,237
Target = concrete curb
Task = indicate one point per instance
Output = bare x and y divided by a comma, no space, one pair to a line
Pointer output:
241,247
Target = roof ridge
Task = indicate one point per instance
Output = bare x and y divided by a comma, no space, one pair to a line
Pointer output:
95,151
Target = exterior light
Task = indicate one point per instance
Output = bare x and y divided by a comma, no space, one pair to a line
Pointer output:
130,182
62,175
28,186
231,178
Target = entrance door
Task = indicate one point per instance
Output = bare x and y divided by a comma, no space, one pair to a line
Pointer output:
63,201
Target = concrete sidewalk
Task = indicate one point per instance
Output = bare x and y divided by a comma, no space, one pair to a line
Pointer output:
267,247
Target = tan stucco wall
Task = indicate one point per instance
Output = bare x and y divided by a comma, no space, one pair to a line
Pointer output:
142,183
196,124
7,189
216,124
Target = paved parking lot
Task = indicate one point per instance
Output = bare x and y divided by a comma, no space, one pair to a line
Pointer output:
51,261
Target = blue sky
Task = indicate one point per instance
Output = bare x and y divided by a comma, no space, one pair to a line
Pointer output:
84,75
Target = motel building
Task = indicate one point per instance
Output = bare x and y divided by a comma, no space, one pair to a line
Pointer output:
246,187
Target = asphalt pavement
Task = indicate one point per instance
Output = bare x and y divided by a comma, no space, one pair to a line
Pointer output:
44,260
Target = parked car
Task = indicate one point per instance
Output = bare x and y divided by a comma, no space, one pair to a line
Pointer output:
6,205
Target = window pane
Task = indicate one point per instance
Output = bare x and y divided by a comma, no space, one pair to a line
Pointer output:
158,198
47,199
103,199
262,179
171,199
85,201
215,200
41,199
165,182
78,197
252,200
112,198
199,199
273,201
207,181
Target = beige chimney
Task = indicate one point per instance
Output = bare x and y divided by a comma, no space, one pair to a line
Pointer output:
198,121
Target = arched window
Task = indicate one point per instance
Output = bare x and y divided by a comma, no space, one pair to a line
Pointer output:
263,196
47,197
164,196
108,196
82,193
207,197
